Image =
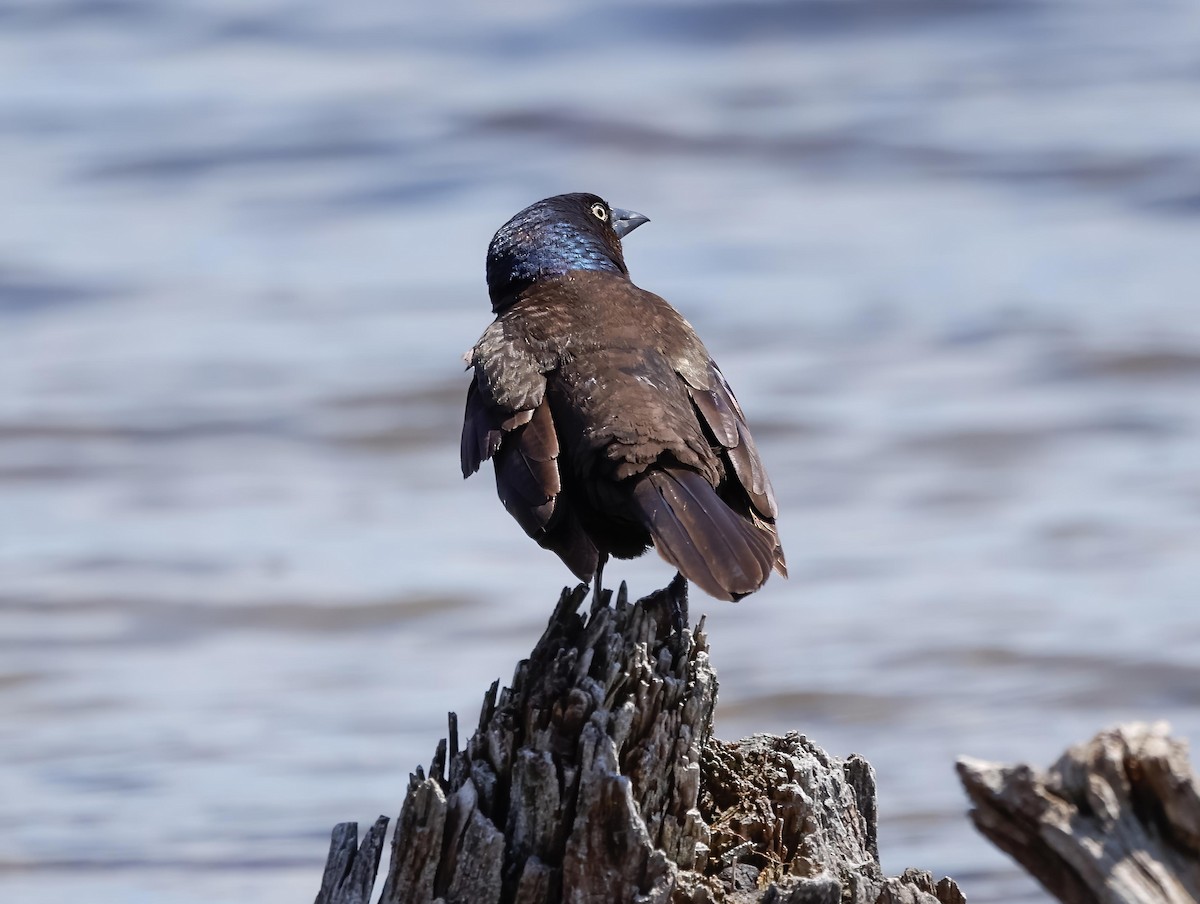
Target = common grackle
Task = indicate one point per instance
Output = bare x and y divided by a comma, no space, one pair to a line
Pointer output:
610,427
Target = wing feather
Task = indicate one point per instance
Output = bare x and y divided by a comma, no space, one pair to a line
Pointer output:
527,478
719,410
524,447
481,433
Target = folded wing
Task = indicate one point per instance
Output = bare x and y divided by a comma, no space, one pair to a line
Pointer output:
525,447
721,537
720,412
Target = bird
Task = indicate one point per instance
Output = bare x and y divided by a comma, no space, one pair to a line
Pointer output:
610,427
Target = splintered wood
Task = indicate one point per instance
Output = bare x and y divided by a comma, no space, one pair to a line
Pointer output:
1114,821
593,780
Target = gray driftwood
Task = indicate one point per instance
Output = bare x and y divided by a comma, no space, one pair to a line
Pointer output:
1115,821
593,780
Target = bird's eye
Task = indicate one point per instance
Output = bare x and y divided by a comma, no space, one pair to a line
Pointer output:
600,212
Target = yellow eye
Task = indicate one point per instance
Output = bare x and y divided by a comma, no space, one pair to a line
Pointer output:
600,212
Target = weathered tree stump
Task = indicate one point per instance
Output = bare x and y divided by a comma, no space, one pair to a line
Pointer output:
350,868
594,780
1115,821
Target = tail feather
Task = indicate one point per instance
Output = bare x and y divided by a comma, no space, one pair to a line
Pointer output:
731,542
674,542
725,553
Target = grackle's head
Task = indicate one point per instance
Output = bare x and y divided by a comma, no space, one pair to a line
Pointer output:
578,231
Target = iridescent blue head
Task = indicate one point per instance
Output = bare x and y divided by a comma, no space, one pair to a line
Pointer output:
553,237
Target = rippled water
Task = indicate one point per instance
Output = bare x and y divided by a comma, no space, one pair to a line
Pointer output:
945,252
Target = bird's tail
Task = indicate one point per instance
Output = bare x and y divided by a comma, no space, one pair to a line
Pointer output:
725,553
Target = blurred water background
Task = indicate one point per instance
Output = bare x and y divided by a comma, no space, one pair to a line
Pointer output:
948,254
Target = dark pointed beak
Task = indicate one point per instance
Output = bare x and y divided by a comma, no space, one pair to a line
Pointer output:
625,221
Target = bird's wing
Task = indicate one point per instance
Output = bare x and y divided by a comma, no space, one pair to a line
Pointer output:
508,385
527,477
516,429
484,427
508,419
720,412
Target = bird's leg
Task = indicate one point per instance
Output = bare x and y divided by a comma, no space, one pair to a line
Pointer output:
677,592
597,582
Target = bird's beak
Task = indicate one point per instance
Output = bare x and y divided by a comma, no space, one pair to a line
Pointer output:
625,221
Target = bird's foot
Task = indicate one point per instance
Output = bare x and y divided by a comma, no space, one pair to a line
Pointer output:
600,596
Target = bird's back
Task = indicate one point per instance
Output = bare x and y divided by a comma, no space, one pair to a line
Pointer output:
617,381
